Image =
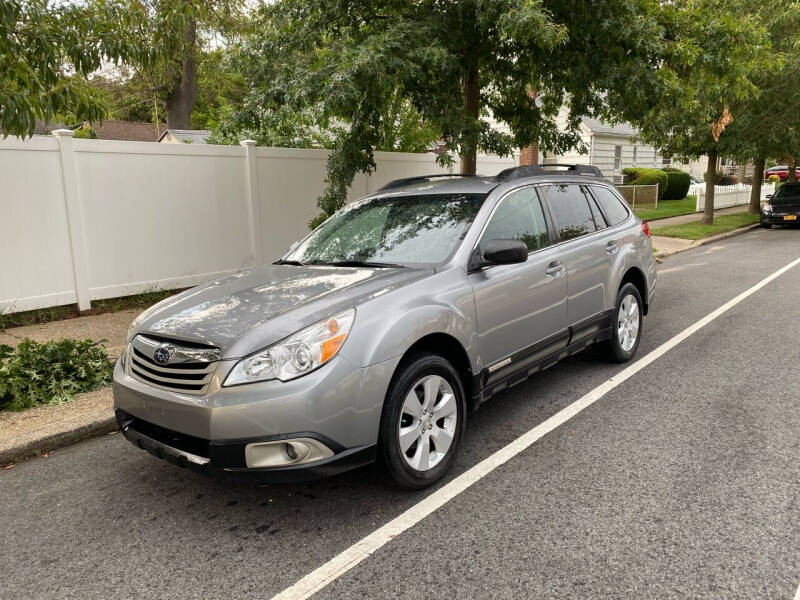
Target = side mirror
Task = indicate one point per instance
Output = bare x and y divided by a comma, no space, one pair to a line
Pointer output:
505,252
768,196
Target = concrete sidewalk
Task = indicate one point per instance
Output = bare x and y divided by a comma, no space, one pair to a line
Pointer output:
111,327
40,430
665,246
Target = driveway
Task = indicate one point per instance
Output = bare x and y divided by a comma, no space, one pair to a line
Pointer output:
682,480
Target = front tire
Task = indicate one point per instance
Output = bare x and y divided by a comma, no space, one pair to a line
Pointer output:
422,422
766,225
626,326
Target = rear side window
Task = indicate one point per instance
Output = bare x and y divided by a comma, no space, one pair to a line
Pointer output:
571,211
519,216
612,206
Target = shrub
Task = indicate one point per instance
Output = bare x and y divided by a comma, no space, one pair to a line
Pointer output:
641,176
50,373
774,179
678,183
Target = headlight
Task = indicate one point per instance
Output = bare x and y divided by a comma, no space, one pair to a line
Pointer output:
766,208
296,355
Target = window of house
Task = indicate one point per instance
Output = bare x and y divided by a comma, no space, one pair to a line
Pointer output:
617,158
635,155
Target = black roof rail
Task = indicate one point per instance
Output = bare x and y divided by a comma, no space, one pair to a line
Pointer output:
548,169
406,180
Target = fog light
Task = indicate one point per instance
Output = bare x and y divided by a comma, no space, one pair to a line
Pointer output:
290,451
285,452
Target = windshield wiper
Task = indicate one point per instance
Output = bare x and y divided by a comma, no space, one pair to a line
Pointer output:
360,263
296,263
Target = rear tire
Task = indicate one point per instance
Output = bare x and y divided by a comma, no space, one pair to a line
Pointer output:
422,422
626,326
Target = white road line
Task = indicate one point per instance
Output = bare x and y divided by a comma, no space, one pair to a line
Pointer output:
797,593
340,564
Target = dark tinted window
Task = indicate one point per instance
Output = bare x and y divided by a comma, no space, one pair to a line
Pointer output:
519,216
599,220
571,211
612,206
788,190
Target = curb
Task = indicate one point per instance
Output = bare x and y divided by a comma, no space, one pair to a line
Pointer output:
54,441
710,240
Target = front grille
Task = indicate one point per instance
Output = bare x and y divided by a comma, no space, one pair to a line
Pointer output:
185,374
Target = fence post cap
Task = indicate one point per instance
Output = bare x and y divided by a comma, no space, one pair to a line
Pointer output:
247,143
63,132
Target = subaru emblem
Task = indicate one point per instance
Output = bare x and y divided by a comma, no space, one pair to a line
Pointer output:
163,353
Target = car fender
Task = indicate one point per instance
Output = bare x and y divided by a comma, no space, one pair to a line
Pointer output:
630,256
387,327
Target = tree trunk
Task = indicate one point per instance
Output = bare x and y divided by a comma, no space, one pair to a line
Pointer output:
792,169
711,175
755,191
180,101
469,148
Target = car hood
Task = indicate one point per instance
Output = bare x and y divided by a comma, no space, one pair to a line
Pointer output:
253,309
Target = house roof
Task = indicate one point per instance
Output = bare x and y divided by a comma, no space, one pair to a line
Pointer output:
131,131
196,136
598,126
46,127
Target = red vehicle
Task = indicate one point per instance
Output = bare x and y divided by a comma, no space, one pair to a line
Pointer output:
781,171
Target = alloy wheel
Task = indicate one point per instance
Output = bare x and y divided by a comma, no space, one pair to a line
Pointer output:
428,422
628,323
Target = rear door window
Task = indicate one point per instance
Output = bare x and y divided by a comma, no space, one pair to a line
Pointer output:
519,216
613,208
571,210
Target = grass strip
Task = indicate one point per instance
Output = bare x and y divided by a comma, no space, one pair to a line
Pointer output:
668,208
695,230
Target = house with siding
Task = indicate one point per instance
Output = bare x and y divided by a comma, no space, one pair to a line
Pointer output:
611,148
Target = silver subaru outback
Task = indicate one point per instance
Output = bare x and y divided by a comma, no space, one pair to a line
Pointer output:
377,334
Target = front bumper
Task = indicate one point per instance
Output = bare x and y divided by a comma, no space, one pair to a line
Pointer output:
778,218
338,405
228,457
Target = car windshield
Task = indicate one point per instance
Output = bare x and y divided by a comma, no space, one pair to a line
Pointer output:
392,230
788,191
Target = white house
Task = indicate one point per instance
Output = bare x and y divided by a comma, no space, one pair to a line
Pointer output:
612,148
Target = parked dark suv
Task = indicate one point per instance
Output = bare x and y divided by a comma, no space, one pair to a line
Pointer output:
377,333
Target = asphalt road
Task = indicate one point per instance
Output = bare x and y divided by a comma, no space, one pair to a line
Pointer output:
682,482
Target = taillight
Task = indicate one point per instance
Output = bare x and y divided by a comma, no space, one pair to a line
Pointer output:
646,228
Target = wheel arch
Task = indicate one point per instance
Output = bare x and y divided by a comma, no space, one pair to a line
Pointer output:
635,276
448,347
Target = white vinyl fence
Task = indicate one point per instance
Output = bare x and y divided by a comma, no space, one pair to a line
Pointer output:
82,220
730,195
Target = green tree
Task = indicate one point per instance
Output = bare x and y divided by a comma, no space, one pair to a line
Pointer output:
135,96
722,45
768,126
462,65
177,32
46,52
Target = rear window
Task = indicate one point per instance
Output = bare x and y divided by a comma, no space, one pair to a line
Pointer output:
612,206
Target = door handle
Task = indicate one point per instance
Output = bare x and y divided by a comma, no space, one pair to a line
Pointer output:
554,268
611,247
